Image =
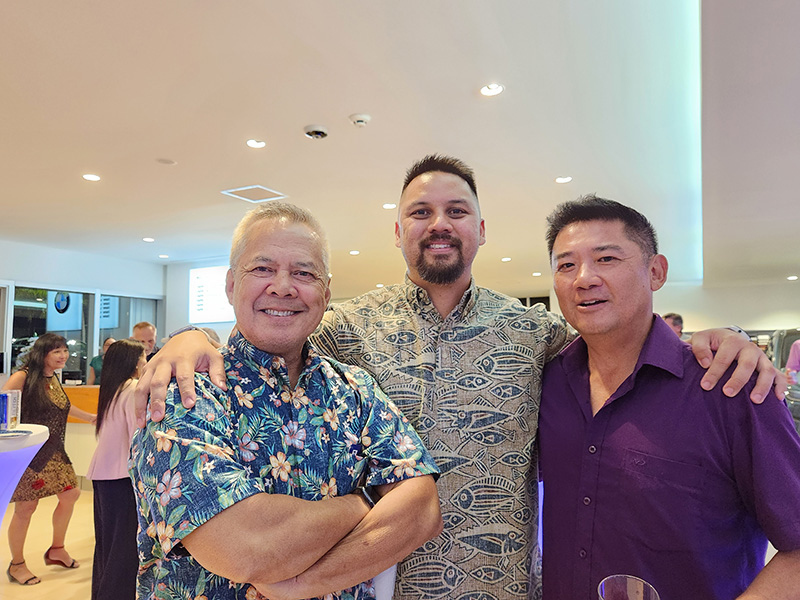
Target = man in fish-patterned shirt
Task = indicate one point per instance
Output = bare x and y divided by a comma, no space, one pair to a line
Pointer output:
249,493
464,364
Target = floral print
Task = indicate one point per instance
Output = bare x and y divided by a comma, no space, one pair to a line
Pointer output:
313,442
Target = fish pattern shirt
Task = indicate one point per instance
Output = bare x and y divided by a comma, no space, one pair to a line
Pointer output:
470,384
312,441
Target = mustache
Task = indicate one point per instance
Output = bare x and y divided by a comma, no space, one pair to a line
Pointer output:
441,237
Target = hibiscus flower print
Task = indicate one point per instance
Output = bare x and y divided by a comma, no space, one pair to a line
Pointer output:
329,488
404,466
294,435
169,487
280,466
243,398
246,447
330,416
403,442
165,534
164,440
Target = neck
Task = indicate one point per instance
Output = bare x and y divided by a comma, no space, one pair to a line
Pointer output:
48,373
445,297
612,359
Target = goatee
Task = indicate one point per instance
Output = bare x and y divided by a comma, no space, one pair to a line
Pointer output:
436,271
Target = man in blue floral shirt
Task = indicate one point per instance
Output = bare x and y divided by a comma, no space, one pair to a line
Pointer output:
227,493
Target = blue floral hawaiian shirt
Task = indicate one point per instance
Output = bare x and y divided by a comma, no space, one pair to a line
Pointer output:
312,442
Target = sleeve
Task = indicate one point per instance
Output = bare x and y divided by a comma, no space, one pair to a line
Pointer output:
188,467
557,334
392,447
766,462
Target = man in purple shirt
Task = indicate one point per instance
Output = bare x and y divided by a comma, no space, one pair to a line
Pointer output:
644,472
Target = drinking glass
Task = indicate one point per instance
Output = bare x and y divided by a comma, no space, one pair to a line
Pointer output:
626,587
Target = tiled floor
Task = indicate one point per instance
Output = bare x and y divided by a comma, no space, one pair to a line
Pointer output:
57,583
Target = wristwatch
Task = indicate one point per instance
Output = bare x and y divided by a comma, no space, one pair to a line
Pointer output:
186,328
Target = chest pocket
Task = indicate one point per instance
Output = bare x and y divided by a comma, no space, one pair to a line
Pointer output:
660,504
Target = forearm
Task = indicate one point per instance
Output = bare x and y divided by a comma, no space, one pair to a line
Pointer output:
404,519
79,413
778,580
272,537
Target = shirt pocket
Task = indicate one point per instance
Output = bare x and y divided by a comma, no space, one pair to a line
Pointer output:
659,504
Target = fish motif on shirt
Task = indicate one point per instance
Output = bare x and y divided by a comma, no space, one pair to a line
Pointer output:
496,539
424,578
506,362
485,496
480,415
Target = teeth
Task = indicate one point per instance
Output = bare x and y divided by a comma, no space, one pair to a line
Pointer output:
439,246
279,313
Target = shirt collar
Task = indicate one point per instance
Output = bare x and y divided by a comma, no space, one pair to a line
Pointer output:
421,302
242,350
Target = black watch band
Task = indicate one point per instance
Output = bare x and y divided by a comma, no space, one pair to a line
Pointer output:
369,494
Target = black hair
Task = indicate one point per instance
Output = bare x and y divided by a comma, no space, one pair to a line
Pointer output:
591,208
119,365
34,393
444,164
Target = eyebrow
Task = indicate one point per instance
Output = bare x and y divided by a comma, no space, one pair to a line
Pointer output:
299,263
603,248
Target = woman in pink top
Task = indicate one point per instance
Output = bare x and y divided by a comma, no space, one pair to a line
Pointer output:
115,557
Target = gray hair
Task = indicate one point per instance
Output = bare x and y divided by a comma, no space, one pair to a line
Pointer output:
278,211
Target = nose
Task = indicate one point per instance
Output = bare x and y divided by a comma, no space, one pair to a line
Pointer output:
282,285
440,222
586,276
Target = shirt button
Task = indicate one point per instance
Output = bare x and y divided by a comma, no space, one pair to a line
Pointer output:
592,449
587,501
582,553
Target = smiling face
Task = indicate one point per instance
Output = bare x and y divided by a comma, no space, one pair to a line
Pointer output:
439,229
55,359
279,288
603,281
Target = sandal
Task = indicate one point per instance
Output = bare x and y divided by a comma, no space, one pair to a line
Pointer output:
58,561
28,581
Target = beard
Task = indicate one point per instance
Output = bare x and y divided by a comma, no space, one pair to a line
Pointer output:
436,270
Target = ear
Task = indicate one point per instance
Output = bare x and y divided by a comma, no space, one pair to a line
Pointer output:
658,271
397,234
482,231
229,286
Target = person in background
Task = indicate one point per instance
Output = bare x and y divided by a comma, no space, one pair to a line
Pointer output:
50,473
793,362
115,559
250,493
675,322
145,333
96,364
644,472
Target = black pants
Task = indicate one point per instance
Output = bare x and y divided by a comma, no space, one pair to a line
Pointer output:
115,559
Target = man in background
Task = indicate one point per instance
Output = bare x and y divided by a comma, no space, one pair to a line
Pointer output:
145,333
675,322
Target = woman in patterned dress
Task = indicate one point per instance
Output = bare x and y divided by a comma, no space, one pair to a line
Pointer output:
50,472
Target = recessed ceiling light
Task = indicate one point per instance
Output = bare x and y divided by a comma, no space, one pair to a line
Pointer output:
536,274
354,253
167,161
506,259
163,256
378,285
256,143
492,89
389,206
91,177
792,278
149,240
566,179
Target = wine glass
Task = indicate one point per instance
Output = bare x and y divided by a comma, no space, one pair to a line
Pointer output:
626,587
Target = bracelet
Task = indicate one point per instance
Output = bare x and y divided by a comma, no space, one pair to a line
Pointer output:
186,328
739,330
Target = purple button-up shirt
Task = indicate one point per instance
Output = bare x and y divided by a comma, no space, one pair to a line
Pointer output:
670,483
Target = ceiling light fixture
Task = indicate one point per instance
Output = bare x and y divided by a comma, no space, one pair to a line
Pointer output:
354,252
256,143
167,161
91,177
506,259
566,179
492,89
163,256
389,206
378,285
792,278
536,274
149,240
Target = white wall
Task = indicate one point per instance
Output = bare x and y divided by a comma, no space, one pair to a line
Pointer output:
29,264
750,306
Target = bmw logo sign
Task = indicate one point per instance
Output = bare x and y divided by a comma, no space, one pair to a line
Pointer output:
61,302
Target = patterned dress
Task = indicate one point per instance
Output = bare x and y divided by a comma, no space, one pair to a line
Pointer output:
470,384
312,441
50,471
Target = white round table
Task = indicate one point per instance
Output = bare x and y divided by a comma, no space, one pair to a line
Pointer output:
16,453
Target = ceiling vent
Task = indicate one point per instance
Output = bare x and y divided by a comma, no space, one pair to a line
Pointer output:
254,194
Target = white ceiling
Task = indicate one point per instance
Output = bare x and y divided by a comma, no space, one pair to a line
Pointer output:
607,92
